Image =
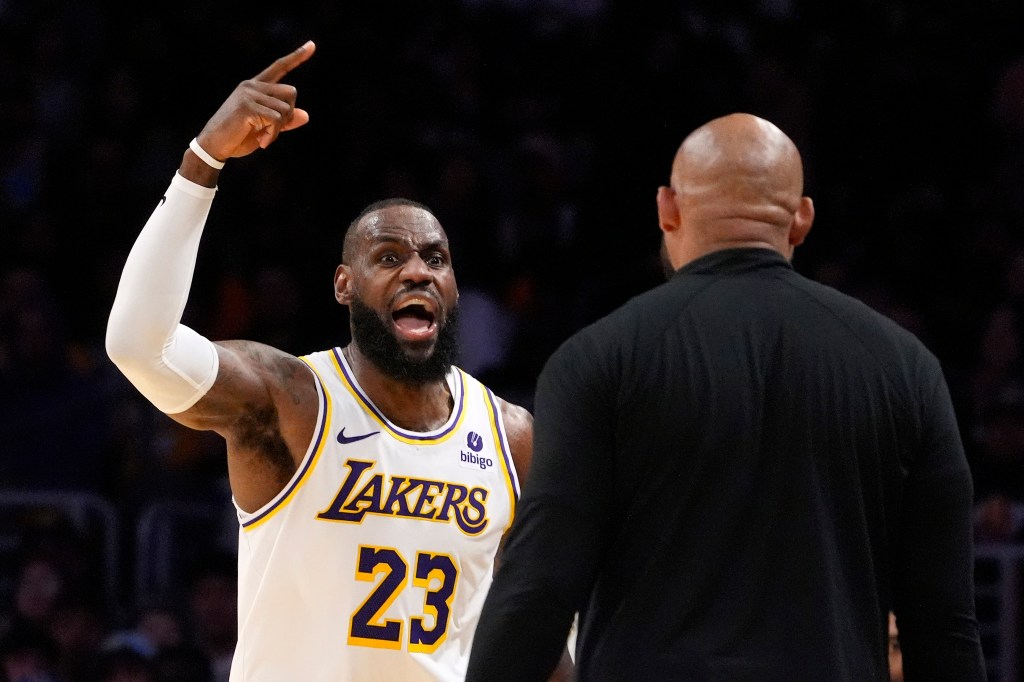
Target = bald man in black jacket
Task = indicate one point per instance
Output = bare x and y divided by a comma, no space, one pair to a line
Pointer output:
738,474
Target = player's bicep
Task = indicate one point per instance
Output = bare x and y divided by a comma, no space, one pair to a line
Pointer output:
243,385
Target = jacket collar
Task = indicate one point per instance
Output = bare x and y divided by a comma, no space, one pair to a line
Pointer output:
734,261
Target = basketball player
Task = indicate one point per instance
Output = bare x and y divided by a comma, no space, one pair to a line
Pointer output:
373,482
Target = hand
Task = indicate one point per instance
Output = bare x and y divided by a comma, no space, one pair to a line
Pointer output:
257,111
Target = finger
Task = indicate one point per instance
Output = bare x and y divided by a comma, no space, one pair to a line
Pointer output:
282,65
271,117
280,96
300,117
269,134
268,118
274,109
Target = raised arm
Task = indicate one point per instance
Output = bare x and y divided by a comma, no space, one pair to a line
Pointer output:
262,400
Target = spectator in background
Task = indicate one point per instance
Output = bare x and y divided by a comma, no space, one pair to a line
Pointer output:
159,645
54,594
78,627
28,656
998,358
183,662
125,663
997,462
1007,112
53,393
212,599
41,583
162,625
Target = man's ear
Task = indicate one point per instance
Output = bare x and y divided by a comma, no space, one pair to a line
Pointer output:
343,284
802,221
668,211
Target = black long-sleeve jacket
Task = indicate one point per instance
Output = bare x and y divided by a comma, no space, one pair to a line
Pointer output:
735,477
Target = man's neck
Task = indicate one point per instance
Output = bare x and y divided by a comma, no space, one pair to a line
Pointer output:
413,406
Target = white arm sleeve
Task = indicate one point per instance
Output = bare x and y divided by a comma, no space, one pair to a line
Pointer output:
167,362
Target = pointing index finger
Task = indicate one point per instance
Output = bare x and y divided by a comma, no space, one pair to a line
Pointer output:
282,65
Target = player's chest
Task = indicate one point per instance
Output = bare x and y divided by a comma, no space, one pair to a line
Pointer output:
461,480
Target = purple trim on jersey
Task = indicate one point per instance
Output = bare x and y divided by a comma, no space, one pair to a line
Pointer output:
411,435
509,467
317,443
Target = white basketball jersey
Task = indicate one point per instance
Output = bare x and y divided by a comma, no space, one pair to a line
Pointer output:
374,561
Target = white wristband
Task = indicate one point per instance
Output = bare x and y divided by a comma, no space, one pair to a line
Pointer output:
204,155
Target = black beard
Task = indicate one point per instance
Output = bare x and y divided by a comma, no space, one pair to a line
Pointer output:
378,343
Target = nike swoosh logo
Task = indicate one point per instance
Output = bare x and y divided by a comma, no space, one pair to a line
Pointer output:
162,200
345,440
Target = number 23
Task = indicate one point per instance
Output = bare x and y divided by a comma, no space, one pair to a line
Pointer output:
368,626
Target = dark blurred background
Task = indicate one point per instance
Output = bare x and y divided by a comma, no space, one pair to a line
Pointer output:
538,131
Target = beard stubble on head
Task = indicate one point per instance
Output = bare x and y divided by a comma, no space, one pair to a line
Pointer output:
377,342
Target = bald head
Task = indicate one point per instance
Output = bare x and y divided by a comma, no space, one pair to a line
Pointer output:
736,181
741,158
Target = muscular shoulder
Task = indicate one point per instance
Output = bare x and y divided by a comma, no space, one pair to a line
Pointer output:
264,403
519,430
248,368
272,364
258,387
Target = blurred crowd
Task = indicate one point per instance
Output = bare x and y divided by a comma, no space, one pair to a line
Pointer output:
538,131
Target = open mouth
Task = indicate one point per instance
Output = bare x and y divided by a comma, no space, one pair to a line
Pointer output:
414,319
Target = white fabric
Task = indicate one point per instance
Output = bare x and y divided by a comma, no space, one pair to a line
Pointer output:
341,573
207,158
573,633
167,362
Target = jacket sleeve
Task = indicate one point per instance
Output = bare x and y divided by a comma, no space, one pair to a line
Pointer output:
934,568
553,549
